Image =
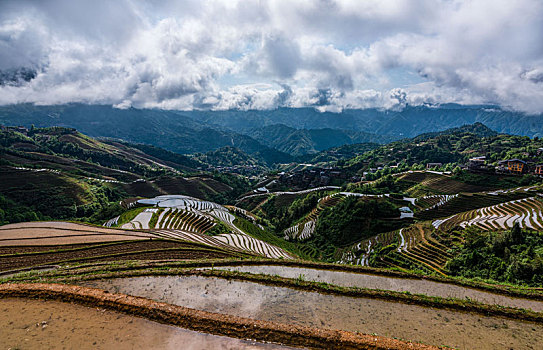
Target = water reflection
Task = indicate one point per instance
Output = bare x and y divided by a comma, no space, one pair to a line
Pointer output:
349,279
284,305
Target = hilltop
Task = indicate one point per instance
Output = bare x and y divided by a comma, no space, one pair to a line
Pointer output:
170,130
450,148
299,142
61,173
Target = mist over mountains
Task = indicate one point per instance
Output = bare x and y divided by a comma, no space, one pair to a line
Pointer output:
271,135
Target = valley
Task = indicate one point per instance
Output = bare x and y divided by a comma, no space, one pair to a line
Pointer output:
429,242
271,174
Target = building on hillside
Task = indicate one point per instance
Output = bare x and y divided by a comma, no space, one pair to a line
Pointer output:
479,165
433,165
312,177
538,169
513,166
476,163
20,129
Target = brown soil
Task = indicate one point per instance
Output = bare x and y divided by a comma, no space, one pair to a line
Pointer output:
39,324
49,233
164,254
142,250
60,225
207,322
26,249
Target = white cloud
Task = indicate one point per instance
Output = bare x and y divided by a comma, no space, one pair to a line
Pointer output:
223,54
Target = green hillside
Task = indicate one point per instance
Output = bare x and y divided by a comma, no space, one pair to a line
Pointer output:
59,173
454,146
299,142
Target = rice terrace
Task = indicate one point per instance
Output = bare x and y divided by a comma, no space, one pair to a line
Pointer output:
272,174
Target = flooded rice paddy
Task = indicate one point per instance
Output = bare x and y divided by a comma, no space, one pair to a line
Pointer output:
415,286
285,305
37,324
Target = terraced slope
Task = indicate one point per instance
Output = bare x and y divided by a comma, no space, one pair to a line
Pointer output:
526,212
434,201
437,183
55,232
35,244
186,218
305,228
359,253
427,245
280,193
240,243
19,257
414,246
470,201
141,221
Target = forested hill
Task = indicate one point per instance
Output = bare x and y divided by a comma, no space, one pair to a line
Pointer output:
60,173
300,142
174,131
455,145
407,122
310,130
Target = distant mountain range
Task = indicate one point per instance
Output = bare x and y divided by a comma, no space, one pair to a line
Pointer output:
272,136
300,142
409,122
174,131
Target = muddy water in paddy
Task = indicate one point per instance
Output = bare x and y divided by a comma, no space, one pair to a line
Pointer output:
37,324
285,305
349,279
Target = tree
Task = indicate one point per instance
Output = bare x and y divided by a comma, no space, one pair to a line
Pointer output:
516,234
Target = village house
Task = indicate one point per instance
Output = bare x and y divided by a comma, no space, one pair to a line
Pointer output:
514,166
476,163
20,129
433,165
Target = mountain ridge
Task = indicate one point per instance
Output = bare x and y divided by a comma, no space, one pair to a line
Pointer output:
303,130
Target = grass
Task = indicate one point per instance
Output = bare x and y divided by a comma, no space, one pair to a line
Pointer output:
154,218
256,232
129,215
485,285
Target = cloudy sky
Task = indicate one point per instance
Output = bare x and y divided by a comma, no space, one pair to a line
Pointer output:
263,54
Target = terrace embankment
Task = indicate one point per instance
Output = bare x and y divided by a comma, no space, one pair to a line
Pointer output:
14,257
415,286
52,233
207,322
39,324
311,309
